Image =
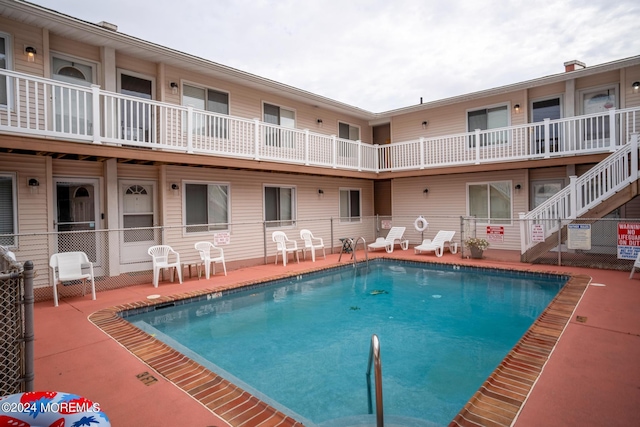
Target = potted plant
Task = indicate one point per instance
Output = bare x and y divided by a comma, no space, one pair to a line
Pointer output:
477,245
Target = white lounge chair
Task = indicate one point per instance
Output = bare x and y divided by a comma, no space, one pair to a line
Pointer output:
437,245
285,246
161,254
67,267
210,254
394,236
311,243
636,263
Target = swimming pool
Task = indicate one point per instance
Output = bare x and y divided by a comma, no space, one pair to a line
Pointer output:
429,319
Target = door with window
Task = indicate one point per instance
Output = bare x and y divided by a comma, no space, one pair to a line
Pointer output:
137,217
596,130
487,119
72,108
135,118
546,109
77,211
207,125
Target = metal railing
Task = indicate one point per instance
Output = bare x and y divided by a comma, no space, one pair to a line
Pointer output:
41,107
375,362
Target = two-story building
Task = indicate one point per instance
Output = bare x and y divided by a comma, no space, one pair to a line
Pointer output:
110,144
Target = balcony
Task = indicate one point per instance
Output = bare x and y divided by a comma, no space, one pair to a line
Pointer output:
37,107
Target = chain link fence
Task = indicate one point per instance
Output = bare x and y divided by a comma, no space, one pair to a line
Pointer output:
605,243
16,324
120,255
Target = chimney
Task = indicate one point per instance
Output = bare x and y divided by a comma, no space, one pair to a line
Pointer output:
108,25
573,65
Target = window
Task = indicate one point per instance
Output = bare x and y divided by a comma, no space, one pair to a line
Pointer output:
8,214
206,207
5,56
349,205
279,206
208,100
346,131
72,107
486,119
281,117
490,202
543,190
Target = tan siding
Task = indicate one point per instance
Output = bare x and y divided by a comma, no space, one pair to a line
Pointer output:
134,64
246,195
75,48
547,91
24,35
451,119
130,171
447,201
548,173
77,168
612,77
32,210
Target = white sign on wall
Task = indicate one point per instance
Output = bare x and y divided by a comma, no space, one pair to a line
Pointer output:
579,236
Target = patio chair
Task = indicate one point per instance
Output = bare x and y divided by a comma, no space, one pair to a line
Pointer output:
394,236
437,245
311,243
161,255
285,246
210,254
68,267
636,263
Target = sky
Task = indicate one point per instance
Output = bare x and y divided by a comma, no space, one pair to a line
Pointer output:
380,55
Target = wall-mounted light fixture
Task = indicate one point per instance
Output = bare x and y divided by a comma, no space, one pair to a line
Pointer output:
425,191
174,187
319,121
516,108
320,192
33,182
518,187
30,51
635,85
424,124
174,87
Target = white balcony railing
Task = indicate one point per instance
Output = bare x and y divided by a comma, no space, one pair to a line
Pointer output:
40,107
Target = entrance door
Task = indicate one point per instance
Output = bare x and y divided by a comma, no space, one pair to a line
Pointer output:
546,109
137,216
77,206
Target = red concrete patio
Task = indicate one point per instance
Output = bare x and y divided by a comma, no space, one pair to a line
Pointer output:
591,379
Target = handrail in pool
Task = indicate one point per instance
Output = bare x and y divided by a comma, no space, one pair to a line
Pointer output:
374,359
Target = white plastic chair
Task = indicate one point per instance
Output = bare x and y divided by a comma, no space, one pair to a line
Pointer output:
285,246
161,255
636,263
67,267
311,243
207,254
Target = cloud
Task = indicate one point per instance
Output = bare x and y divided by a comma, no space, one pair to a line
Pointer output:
381,55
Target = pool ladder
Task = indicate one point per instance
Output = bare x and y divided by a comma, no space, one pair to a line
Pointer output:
374,361
352,247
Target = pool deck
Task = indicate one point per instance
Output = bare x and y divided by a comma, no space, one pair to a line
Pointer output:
590,377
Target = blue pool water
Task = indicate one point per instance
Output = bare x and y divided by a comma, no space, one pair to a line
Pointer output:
302,344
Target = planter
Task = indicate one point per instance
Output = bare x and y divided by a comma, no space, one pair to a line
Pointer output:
476,253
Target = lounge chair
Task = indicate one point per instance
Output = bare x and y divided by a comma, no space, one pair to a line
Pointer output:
285,246
311,243
437,245
394,236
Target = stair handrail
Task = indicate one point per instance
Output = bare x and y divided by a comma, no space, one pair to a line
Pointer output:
364,245
583,193
374,360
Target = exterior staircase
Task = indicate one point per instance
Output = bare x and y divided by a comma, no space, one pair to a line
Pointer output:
605,187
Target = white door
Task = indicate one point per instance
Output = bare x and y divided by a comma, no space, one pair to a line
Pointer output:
77,212
137,217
